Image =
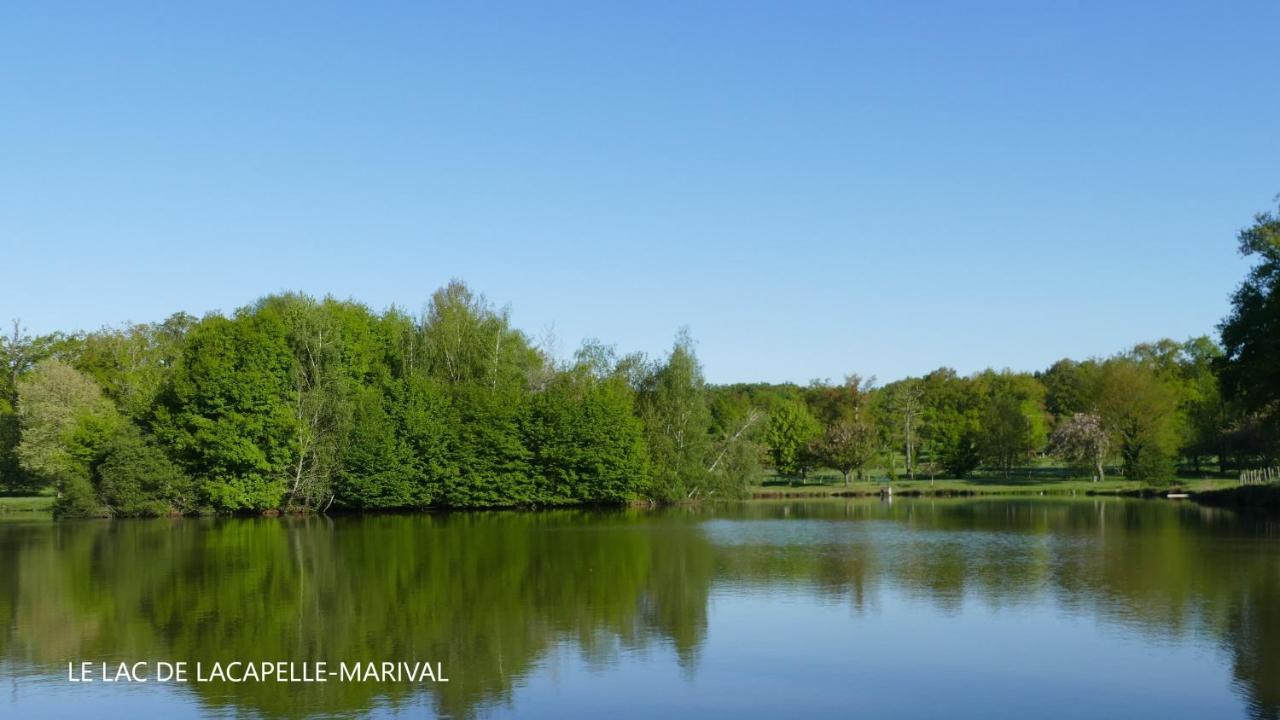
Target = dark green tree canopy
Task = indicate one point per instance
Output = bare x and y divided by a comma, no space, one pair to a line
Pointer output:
1251,333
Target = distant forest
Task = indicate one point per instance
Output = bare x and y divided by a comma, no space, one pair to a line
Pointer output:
301,404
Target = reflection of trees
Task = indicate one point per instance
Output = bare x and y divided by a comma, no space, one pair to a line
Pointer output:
1153,567
487,595
491,595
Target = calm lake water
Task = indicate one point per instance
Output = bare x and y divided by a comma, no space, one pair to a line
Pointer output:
985,608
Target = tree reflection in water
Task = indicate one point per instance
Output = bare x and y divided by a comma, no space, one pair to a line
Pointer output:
491,595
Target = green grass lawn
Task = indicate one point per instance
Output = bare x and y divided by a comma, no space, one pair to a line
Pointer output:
26,504
1038,480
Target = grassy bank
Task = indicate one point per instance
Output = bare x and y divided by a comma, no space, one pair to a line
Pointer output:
1222,492
826,487
25,505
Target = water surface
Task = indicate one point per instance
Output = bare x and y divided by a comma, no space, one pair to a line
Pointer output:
989,608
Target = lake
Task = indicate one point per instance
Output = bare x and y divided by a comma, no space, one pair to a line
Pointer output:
990,608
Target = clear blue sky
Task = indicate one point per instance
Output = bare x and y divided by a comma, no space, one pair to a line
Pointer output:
813,188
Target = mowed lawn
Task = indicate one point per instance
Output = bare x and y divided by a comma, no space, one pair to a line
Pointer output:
26,504
1036,480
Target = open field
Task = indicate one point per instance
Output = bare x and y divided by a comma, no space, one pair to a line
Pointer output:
25,504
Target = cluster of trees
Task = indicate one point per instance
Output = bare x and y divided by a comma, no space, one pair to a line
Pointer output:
1147,408
295,403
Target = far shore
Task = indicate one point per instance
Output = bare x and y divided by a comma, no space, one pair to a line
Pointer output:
1218,492
985,486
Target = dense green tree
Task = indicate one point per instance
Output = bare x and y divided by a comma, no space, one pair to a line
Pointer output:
672,404
1139,410
1070,387
338,349
229,410
1206,413
19,354
484,365
587,445
901,417
132,363
847,445
1251,333
951,422
1011,423
12,478
737,425
64,414
790,435
849,437
66,424
1005,440
135,478
379,468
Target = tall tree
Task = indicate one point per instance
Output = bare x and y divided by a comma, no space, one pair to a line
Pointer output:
228,411
736,427
1251,332
1139,410
790,434
951,422
1070,387
19,354
66,423
131,363
904,403
587,445
849,439
672,404
484,365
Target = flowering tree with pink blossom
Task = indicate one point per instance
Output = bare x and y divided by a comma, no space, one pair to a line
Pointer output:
1082,439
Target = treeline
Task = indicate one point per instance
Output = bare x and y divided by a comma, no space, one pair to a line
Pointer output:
295,403
1146,410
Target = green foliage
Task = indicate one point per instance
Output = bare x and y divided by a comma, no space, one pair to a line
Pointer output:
1140,410
77,499
790,431
900,412
586,444
19,355
12,477
1012,422
135,478
1251,333
65,421
850,438
492,460
848,445
229,411
672,404
737,425
130,365
380,468
1070,387
950,422
303,403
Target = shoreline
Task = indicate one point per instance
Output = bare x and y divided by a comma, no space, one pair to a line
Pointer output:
1263,498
